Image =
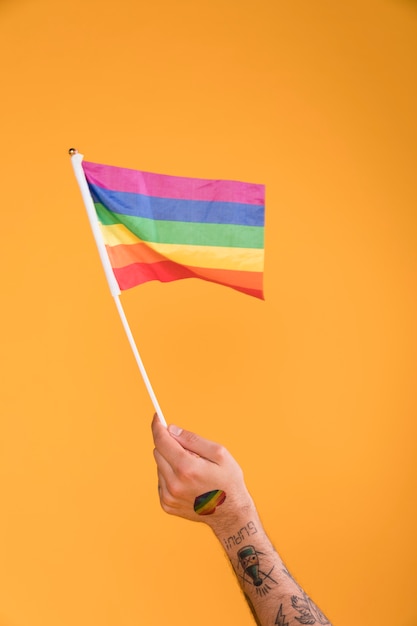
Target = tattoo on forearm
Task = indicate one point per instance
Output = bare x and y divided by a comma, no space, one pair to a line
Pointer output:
248,559
309,612
243,533
280,618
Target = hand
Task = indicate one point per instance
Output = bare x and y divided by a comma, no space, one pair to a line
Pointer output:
197,478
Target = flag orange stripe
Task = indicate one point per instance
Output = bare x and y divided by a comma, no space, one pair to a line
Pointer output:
123,255
234,278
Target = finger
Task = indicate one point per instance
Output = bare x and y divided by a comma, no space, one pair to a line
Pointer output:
170,449
164,468
198,445
168,502
161,485
162,491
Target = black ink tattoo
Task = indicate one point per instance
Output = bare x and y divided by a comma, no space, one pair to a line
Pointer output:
280,618
235,540
252,574
309,612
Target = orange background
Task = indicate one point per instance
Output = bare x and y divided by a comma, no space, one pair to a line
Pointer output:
313,390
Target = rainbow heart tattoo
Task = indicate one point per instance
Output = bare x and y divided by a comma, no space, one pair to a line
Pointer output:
207,503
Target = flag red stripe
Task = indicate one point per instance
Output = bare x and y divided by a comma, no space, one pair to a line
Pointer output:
167,271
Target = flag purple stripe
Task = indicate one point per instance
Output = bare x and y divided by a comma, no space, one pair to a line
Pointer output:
178,187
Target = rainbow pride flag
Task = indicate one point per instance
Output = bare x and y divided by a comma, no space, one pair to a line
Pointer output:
158,227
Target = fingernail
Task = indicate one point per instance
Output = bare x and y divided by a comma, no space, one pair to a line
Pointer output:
175,430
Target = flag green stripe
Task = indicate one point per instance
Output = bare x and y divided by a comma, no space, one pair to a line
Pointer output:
187,233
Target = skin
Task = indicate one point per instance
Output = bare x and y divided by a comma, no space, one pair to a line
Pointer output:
188,466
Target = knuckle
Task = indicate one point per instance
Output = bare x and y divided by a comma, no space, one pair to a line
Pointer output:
220,453
175,491
185,472
168,500
167,508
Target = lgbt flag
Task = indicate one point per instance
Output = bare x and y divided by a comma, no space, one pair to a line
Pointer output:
158,227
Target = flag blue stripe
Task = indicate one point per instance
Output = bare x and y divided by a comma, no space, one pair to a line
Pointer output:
196,211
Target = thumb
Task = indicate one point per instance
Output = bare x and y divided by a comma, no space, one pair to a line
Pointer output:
194,443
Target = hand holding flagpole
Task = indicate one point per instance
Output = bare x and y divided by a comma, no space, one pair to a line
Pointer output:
76,160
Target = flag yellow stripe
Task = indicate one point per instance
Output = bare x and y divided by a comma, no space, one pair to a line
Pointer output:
114,234
243,259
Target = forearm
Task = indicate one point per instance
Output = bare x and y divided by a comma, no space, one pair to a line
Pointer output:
274,597
208,485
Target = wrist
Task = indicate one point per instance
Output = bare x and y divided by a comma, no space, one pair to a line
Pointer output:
232,516
239,532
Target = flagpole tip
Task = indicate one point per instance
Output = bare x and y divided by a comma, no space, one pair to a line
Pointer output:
72,151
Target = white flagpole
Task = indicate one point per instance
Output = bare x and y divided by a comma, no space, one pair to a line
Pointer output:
76,160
